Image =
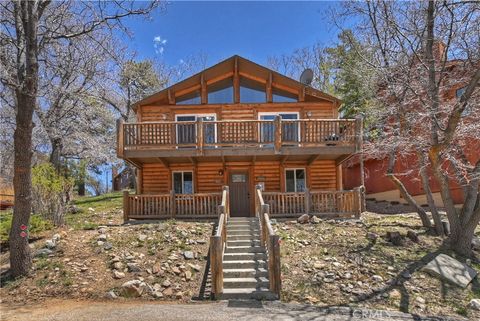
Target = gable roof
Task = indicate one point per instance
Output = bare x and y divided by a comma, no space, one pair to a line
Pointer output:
228,68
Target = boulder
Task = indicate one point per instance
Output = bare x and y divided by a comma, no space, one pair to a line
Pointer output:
142,237
395,238
449,269
314,220
133,267
50,244
118,275
107,246
133,288
474,304
188,255
102,238
111,295
168,292
56,237
43,252
166,284
303,219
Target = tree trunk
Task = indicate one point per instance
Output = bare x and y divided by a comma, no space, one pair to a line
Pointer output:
81,188
461,239
428,193
55,155
26,16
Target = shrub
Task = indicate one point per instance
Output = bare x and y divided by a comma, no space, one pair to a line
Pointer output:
37,224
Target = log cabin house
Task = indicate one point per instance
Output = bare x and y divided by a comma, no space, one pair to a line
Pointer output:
241,125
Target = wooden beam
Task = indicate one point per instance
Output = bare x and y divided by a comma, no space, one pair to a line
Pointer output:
301,94
192,160
236,82
269,88
171,97
283,159
204,94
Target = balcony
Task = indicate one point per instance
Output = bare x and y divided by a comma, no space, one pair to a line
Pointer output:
201,138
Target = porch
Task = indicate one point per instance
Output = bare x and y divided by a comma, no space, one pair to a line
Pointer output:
333,204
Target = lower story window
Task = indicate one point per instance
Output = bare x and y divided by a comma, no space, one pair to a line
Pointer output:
183,182
295,180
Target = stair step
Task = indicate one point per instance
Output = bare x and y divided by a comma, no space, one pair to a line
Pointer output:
243,237
245,273
229,283
244,256
245,249
243,232
242,219
250,242
248,293
243,227
245,264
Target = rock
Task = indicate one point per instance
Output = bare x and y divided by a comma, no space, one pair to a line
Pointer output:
157,294
56,237
111,295
100,243
142,237
303,219
168,292
188,275
91,209
118,265
406,274
188,255
395,238
195,267
156,268
315,220
372,236
43,252
377,278
133,288
413,236
50,244
179,295
451,270
475,304
118,275
102,237
133,267
273,221
107,246
176,270
395,294
73,209
166,284
420,300
318,265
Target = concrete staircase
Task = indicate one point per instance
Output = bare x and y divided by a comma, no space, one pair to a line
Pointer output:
245,269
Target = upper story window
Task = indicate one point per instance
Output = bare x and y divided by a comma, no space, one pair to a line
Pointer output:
252,91
192,98
221,92
280,96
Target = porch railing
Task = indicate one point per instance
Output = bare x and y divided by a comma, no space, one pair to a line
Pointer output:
202,134
326,203
271,241
217,244
162,206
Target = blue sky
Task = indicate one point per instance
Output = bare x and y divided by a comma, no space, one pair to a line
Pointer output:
254,30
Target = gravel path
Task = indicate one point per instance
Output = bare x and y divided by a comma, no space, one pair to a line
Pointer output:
233,310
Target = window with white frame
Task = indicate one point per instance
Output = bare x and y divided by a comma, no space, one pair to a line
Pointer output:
295,180
183,182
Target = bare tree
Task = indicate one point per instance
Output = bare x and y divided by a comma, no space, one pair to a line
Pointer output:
423,53
28,28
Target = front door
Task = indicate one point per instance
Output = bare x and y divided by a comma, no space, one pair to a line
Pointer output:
239,194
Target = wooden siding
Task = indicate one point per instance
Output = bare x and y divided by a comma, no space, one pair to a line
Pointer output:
155,179
208,178
323,175
271,172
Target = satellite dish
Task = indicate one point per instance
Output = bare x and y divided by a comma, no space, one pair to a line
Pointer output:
306,77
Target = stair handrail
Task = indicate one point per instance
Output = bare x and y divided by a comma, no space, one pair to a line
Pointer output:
218,243
270,241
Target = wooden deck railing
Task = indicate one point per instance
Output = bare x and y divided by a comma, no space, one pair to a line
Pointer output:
217,244
161,206
270,241
330,203
237,133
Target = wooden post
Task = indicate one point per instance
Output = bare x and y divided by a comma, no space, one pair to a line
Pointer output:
278,134
363,203
274,265
120,138
203,90
139,181
227,201
307,201
216,253
172,204
269,88
265,208
200,138
358,133
236,82
126,206
357,201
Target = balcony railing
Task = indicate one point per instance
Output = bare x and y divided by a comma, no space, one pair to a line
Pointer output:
273,134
